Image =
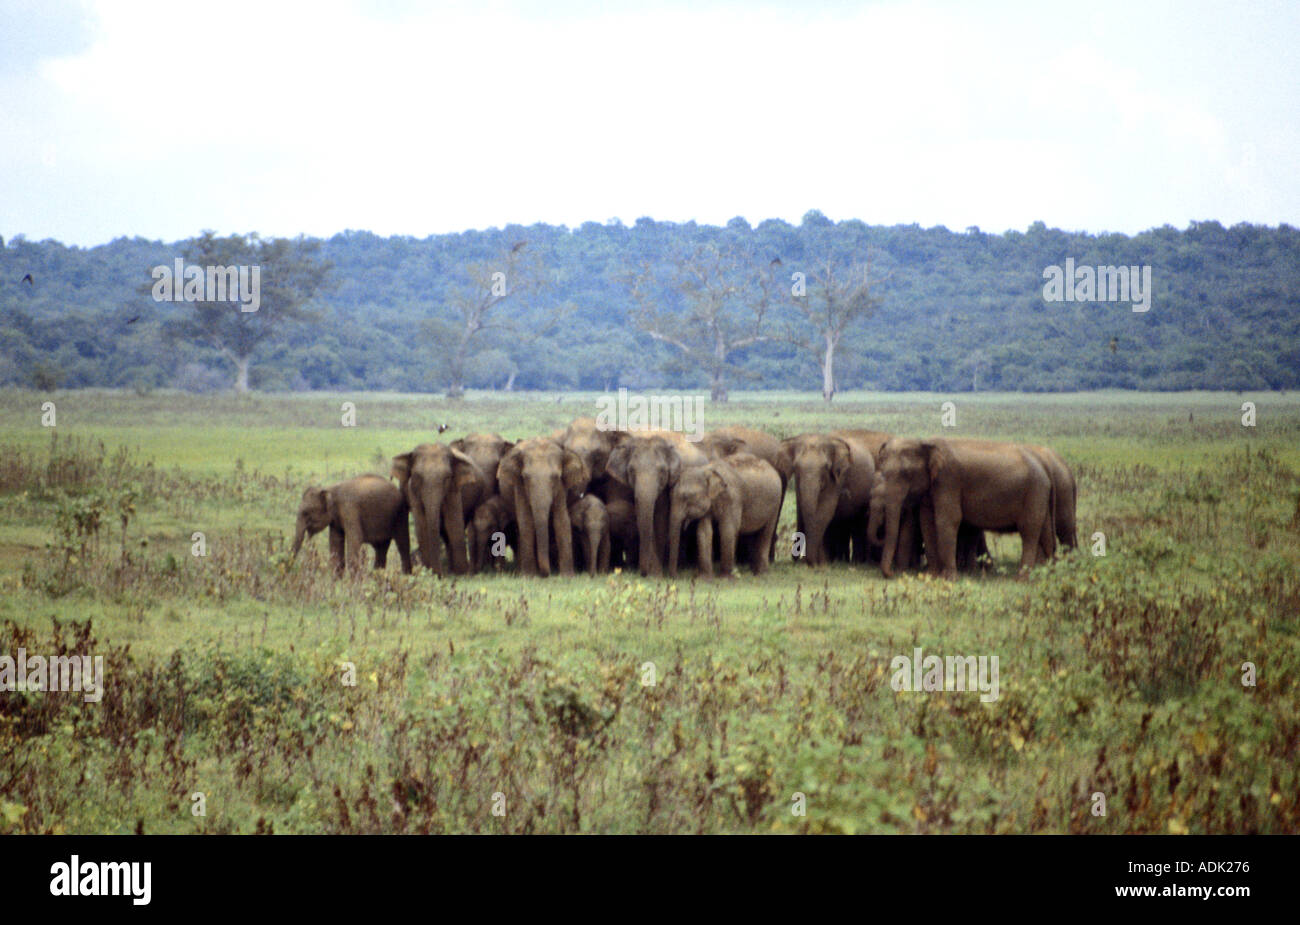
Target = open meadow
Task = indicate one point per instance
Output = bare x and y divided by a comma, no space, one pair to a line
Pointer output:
296,702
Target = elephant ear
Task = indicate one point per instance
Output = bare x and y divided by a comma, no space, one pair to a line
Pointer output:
841,457
575,472
464,470
401,469
509,468
936,457
616,465
717,485
458,444
726,446
672,461
329,503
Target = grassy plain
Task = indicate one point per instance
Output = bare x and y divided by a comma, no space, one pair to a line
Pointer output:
495,703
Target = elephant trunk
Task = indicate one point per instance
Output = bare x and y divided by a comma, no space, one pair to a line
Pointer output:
453,524
893,513
540,498
815,510
875,522
647,496
426,525
299,535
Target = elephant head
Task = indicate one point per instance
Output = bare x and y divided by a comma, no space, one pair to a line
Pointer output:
650,465
820,465
905,471
539,478
486,450
316,511
440,483
693,497
593,444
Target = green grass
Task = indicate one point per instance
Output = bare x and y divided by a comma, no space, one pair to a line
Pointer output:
1119,675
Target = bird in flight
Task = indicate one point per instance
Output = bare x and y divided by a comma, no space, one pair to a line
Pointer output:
28,280
133,320
519,245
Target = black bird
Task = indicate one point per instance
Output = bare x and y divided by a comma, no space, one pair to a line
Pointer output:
133,320
519,245
28,280
1114,344
443,427
776,262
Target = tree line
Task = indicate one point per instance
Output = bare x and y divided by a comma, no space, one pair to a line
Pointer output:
820,306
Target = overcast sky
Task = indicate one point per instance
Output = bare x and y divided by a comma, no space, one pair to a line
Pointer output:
164,119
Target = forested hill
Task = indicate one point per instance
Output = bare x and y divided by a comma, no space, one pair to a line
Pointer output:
957,311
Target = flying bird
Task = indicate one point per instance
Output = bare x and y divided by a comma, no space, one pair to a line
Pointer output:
776,262
133,320
519,245
28,280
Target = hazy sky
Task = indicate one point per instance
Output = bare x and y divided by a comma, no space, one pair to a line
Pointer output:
164,119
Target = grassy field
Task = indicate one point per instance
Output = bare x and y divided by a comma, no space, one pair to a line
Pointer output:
617,704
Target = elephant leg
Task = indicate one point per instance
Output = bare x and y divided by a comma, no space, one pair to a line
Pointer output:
727,536
947,521
336,549
563,533
760,563
602,553
779,505
906,541
381,554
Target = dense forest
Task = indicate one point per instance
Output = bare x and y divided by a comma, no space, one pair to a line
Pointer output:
663,305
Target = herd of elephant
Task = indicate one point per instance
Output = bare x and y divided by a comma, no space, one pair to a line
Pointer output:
593,499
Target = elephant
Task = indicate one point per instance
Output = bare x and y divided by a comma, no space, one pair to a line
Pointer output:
366,509
727,440
991,486
649,463
491,517
539,479
739,495
590,522
486,450
441,483
833,475
624,545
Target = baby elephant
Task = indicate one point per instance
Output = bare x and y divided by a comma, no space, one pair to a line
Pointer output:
740,495
366,509
590,523
491,517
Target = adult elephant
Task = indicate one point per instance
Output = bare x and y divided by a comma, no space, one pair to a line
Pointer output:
649,464
738,495
990,486
366,509
723,442
440,483
539,479
832,475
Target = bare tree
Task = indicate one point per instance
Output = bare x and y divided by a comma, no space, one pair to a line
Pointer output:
472,310
727,295
827,302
